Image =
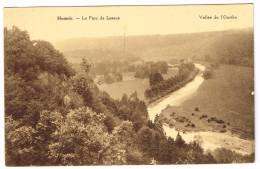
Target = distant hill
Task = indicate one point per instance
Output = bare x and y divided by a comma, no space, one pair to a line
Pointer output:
231,46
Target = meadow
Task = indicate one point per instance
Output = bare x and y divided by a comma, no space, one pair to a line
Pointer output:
227,96
130,84
117,89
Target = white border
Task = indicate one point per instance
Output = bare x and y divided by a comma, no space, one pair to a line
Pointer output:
26,3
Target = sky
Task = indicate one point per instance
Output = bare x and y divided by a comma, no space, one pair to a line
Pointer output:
42,22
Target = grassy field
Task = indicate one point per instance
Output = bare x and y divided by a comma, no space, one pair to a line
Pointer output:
227,96
130,84
116,90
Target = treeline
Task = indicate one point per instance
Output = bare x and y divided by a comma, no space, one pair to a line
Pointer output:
242,60
104,67
140,68
108,71
111,71
54,116
186,72
146,69
110,78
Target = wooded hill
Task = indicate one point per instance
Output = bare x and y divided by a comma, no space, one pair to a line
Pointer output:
231,46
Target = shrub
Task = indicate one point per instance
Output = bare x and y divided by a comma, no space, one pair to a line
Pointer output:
223,155
207,74
197,109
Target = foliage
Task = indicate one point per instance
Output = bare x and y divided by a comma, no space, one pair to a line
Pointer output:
145,70
207,74
82,139
85,65
161,87
109,123
223,155
27,59
84,86
79,138
19,143
149,140
121,141
133,109
136,157
112,66
34,76
51,60
155,78
54,117
112,77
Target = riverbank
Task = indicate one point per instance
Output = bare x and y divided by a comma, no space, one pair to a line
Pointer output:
164,94
177,97
193,125
210,141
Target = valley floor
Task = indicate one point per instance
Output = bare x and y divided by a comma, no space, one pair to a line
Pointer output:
224,104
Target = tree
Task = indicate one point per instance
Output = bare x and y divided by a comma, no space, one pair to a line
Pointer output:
158,124
121,141
124,99
51,60
223,155
30,66
85,65
145,136
80,138
110,123
156,144
165,153
48,124
155,78
179,140
19,54
27,59
18,97
85,87
135,157
208,74
19,142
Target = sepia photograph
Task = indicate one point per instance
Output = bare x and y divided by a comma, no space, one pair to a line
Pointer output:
129,85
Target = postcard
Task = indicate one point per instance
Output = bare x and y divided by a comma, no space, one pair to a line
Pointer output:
129,85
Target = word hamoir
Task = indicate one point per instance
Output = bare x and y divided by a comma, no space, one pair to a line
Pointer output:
88,18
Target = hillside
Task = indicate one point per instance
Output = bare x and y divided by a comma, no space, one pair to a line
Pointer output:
231,46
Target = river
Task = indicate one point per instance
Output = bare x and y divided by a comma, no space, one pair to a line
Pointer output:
209,140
